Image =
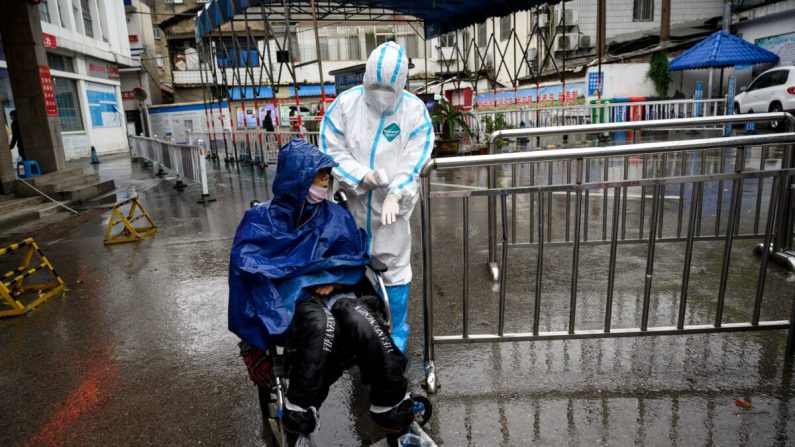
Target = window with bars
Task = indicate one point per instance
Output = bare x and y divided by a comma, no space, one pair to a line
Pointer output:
354,51
482,34
643,10
60,62
44,11
68,104
447,40
88,23
505,27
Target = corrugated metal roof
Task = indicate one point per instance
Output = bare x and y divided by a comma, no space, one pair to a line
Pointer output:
313,90
722,49
237,93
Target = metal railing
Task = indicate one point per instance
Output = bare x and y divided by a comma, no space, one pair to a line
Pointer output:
668,165
186,161
618,112
772,224
256,146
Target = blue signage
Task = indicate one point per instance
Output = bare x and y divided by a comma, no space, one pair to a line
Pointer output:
593,83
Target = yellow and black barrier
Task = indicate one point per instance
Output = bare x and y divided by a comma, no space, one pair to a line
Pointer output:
129,232
14,287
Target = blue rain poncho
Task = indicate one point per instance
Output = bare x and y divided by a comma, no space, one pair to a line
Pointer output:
278,257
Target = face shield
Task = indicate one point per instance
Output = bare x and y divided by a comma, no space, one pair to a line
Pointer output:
385,76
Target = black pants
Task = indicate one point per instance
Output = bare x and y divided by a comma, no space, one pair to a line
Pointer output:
323,341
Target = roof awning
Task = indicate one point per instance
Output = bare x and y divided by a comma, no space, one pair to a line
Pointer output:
238,93
439,16
313,90
266,92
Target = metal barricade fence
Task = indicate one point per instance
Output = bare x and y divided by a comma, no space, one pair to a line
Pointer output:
605,113
187,161
252,145
572,179
669,165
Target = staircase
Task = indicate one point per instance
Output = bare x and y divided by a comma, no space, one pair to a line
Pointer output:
66,186
70,185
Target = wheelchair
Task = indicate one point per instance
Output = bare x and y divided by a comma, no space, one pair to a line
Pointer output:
272,398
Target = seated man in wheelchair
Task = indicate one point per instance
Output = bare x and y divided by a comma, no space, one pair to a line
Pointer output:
295,267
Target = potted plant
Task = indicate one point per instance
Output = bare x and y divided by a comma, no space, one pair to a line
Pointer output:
449,117
490,126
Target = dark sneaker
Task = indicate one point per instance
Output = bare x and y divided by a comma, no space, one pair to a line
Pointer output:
397,419
300,422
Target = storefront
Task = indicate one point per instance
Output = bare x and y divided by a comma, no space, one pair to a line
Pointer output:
88,99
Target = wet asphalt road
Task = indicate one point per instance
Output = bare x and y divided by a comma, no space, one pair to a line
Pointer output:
137,352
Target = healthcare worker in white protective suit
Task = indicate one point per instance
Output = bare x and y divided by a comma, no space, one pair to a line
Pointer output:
381,136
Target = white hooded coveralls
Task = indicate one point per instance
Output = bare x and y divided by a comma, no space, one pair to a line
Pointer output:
376,126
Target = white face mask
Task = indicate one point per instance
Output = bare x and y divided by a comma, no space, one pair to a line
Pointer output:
381,98
316,194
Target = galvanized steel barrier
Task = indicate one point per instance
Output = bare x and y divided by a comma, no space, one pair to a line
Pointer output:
661,170
618,112
249,145
187,161
669,165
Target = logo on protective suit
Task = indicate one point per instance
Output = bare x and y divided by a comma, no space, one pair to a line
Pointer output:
391,132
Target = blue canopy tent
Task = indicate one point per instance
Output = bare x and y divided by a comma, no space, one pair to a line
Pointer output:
720,50
439,16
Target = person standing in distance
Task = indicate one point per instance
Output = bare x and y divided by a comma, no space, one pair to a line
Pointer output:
381,136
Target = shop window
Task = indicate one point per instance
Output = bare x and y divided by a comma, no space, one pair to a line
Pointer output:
68,104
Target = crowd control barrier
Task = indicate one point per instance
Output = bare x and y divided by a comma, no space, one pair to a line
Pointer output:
687,179
186,161
15,287
248,145
667,165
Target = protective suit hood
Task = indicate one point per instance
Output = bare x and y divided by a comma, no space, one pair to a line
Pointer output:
274,264
385,76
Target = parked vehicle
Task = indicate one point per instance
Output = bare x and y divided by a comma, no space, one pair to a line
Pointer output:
771,91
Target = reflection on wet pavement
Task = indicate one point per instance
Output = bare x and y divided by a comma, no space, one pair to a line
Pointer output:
137,352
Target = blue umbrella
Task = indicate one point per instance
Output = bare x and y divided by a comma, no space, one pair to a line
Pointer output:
719,50
722,49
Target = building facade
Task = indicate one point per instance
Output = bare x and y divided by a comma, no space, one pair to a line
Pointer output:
86,43
145,79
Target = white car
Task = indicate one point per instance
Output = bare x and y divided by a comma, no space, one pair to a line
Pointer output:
771,91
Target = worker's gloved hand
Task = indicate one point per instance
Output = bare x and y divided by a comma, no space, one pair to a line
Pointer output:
389,210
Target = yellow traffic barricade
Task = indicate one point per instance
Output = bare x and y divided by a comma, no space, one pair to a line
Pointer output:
16,286
129,232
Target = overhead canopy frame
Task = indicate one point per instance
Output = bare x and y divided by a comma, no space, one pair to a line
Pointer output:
438,16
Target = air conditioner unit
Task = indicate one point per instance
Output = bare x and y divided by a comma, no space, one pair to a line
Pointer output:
570,15
586,42
532,54
565,43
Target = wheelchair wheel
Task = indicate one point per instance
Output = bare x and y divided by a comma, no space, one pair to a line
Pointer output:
423,409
